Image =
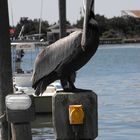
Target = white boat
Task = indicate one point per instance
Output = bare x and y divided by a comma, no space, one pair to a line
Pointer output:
23,57
22,65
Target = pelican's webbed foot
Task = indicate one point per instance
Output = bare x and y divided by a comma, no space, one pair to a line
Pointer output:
70,87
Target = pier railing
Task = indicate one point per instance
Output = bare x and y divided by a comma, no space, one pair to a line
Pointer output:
119,40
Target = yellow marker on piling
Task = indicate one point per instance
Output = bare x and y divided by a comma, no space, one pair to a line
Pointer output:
76,114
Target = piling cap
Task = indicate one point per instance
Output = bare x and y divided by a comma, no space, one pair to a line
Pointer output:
18,102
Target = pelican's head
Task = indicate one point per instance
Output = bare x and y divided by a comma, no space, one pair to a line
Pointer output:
89,18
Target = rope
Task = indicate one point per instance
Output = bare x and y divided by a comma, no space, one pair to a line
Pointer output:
2,116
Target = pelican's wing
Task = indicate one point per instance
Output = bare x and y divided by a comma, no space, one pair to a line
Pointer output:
53,55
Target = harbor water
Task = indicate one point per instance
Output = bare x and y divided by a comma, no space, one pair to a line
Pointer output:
114,74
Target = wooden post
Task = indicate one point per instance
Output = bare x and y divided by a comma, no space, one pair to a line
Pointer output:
6,86
62,18
66,124
21,131
20,111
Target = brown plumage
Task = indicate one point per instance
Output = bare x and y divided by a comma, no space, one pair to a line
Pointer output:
63,58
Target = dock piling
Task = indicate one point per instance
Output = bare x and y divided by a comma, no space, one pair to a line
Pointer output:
62,18
64,129
6,86
20,111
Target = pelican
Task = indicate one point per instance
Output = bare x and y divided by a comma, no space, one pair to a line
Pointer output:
61,60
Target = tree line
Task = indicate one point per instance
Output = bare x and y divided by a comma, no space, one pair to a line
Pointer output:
30,27
116,27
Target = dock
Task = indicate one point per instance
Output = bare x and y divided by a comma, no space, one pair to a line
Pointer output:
111,40
119,40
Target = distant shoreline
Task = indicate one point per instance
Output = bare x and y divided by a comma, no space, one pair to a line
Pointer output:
118,40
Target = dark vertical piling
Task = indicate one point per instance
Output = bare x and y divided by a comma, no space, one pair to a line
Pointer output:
62,18
5,66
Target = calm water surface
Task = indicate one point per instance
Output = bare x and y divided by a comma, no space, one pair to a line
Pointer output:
114,74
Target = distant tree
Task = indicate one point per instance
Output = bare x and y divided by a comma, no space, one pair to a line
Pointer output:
103,23
109,27
30,26
44,26
79,23
119,26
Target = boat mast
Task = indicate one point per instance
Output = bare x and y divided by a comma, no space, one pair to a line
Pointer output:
11,10
40,19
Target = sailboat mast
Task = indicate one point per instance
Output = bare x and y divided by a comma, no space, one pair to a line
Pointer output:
40,19
11,10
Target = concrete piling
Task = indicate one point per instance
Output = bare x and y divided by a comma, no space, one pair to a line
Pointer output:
61,116
20,111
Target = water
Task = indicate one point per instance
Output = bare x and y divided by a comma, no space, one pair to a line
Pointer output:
27,61
114,74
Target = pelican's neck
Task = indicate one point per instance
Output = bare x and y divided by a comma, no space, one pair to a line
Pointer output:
84,34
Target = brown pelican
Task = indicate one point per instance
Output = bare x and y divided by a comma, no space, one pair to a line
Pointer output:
63,58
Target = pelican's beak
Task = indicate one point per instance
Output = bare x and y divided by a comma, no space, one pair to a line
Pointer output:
88,6
89,14
84,6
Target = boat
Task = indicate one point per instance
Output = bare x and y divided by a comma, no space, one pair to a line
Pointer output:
23,57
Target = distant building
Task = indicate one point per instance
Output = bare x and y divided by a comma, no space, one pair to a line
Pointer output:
53,32
130,13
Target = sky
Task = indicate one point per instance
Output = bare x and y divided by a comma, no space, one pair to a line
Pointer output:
32,9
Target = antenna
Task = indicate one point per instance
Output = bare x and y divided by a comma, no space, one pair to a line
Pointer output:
11,10
40,19
21,32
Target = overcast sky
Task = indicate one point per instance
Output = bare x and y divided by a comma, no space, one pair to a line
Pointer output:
32,9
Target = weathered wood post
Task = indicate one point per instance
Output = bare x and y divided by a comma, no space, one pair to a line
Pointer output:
62,18
6,86
75,115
